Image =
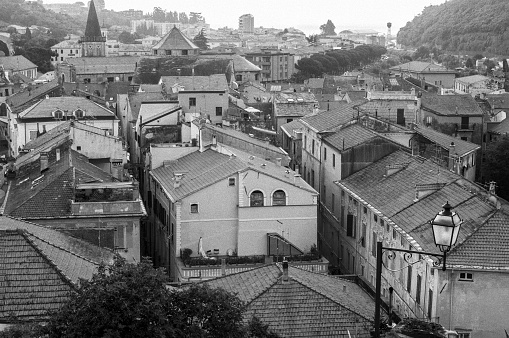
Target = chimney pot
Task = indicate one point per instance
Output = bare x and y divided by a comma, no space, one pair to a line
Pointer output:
285,271
344,288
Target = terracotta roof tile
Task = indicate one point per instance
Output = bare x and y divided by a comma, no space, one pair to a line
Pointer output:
349,136
443,140
328,120
68,104
456,105
175,39
309,305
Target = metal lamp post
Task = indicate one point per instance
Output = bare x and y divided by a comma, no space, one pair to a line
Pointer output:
445,225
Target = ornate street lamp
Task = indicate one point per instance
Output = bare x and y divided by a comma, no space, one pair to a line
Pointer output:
445,225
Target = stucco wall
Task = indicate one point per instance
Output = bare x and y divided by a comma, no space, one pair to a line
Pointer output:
206,103
480,305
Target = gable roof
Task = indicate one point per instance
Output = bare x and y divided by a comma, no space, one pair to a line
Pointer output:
472,79
448,105
175,39
420,67
315,83
40,266
23,97
486,248
16,63
208,167
309,305
461,147
392,193
328,120
349,136
498,101
68,104
35,195
174,84
28,291
239,62
104,65
288,128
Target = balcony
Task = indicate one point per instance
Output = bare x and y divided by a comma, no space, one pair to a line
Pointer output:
202,269
106,198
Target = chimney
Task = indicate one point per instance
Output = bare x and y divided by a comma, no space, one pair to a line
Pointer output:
278,161
423,190
285,279
223,266
44,161
344,287
176,180
452,156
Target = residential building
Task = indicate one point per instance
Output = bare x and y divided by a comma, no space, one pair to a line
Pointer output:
51,112
205,96
475,282
287,107
98,69
103,150
61,189
264,209
276,65
246,24
93,43
294,302
426,72
175,43
18,65
40,267
66,49
392,200
292,143
396,107
6,86
244,70
473,85
24,98
459,115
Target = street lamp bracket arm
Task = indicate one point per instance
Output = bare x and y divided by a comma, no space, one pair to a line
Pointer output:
408,257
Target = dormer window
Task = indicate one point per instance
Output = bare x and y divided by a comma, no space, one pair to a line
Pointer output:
79,113
58,114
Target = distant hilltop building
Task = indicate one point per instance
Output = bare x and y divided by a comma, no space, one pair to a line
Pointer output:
246,23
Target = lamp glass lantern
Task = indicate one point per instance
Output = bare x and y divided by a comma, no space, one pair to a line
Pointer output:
446,226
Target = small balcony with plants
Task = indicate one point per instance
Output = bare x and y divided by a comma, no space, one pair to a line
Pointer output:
211,264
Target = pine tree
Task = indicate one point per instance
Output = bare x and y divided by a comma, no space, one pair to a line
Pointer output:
201,40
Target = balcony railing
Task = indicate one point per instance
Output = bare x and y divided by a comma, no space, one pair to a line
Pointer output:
218,267
106,208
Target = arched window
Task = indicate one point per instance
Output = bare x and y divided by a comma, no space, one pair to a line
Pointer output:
279,197
256,199
79,113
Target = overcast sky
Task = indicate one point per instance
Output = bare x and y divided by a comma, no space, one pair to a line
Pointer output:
306,15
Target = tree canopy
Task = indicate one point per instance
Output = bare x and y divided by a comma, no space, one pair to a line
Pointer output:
328,28
201,40
467,25
132,300
495,166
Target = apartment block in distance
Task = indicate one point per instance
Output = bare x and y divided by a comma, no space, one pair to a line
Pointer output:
246,23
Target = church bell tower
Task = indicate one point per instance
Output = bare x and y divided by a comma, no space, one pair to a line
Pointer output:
93,43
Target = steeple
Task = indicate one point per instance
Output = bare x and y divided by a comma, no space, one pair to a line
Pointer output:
93,28
93,43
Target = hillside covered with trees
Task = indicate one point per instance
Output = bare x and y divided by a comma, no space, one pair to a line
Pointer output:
461,25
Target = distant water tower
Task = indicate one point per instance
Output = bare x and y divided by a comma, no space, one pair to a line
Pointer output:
388,38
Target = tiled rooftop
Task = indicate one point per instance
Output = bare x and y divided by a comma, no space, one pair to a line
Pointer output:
498,101
104,65
34,195
328,120
30,285
455,105
45,107
392,193
38,91
472,79
349,136
419,66
486,248
206,168
195,83
443,140
175,39
288,128
17,62
309,305
295,109
295,98
239,62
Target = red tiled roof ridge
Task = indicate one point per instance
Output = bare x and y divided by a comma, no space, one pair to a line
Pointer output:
47,259
323,294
